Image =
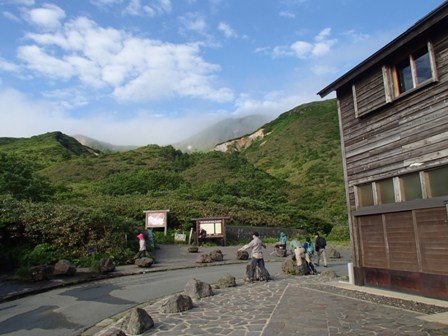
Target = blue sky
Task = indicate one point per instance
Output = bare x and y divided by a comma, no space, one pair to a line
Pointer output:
138,72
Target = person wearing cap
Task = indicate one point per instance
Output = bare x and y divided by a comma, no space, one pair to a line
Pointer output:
257,257
282,242
142,245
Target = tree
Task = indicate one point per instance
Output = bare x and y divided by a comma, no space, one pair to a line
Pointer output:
18,180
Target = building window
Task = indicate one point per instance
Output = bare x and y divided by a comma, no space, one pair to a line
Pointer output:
415,70
385,190
419,185
438,182
411,187
365,195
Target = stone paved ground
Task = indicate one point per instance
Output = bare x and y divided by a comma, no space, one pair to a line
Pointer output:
289,306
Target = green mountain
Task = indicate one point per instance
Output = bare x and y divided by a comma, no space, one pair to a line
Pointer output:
46,149
219,132
288,173
302,147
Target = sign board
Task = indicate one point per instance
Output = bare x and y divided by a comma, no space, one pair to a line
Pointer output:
215,227
156,219
180,237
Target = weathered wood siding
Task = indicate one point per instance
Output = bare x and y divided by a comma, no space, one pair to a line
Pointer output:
402,250
414,128
398,246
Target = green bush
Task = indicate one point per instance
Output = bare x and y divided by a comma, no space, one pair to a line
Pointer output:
42,254
340,233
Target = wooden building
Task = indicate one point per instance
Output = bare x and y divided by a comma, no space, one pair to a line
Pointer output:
393,114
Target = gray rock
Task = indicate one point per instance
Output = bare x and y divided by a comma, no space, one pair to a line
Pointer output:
328,275
257,273
176,303
242,255
106,265
41,272
332,253
203,258
64,267
197,289
193,249
216,255
137,321
289,266
226,282
144,262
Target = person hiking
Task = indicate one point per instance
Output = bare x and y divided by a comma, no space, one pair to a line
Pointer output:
282,242
142,245
320,244
257,257
309,254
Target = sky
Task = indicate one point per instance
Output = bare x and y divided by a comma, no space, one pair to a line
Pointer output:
139,72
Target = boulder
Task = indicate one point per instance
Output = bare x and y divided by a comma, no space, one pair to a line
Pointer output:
289,266
226,282
136,322
332,253
41,272
328,275
203,258
176,303
64,267
106,265
257,274
216,255
197,289
144,262
193,249
242,255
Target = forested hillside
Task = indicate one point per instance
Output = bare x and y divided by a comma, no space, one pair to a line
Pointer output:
62,197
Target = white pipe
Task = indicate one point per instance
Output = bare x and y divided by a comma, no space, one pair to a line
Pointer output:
351,278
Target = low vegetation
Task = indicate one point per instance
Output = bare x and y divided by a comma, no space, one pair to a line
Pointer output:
59,198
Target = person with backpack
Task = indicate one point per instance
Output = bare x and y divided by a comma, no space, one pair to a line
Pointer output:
309,254
320,243
282,243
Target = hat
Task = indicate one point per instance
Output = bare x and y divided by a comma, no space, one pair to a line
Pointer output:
141,236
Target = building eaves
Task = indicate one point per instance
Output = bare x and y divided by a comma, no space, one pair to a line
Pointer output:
418,28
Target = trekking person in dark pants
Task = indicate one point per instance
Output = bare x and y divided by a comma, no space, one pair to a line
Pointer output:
257,257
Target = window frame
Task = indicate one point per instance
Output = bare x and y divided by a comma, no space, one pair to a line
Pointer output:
391,76
425,188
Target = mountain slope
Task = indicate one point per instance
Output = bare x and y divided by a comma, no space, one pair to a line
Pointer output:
302,147
46,149
221,131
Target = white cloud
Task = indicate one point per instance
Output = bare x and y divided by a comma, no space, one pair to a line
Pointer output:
304,50
48,17
23,117
301,48
154,8
227,30
134,69
10,16
101,3
45,64
287,14
8,66
193,22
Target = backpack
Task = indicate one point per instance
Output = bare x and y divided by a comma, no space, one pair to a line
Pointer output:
321,242
309,248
